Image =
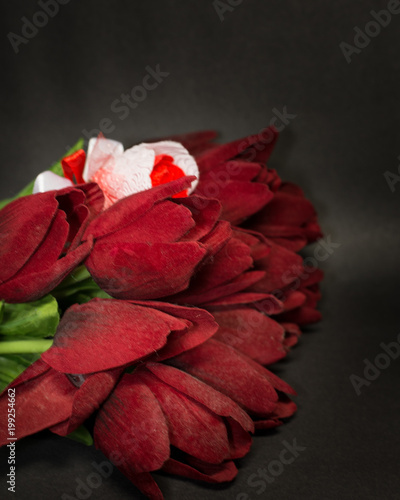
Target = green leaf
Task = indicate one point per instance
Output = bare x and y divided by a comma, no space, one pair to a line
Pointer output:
56,168
12,365
82,298
1,310
78,287
82,435
78,275
32,319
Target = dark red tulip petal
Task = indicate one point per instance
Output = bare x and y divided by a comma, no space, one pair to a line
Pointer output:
39,229
33,286
292,238
292,334
210,473
23,226
293,299
78,221
233,170
239,439
122,213
145,483
50,249
243,281
285,408
205,219
311,276
313,295
202,393
270,305
302,316
193,428
72,202
142,271
259,245
213,182
293,242
279,384
227,178
103,326
34,389
268,423
252,333
216,239
236,299
201,327
94,198
132,427
281,268
94,390
265,141
287,210
232,373
166,222
290,219
232,260
81,205
239,200
226,266
270,177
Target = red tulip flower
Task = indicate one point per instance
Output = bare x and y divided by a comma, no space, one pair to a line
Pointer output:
276,215
251,194
40,240
173,387
158,407
149,246
94,342
154,408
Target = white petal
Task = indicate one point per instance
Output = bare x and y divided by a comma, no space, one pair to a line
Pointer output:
182,158
47,181
99,152
126,174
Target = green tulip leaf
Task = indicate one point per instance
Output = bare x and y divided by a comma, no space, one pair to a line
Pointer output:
12,365
82,435
31,319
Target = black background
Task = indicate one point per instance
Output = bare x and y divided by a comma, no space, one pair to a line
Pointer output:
229,75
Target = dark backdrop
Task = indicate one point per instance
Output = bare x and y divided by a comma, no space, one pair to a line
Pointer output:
230,71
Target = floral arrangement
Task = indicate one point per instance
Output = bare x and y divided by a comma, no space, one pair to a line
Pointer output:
148,289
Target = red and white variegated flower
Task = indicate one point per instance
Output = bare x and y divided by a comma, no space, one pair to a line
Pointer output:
121,173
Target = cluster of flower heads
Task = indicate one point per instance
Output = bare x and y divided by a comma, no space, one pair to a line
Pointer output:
207,289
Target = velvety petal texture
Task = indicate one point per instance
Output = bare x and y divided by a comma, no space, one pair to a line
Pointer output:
143,248
131,331
159,409
40,240
236,375
250,193
206,291
70,405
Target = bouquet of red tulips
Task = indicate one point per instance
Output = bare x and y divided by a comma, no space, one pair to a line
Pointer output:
147,289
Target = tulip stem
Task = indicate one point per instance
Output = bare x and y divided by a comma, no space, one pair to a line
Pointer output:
24,346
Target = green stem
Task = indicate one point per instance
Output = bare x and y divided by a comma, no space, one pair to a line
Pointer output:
23,346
